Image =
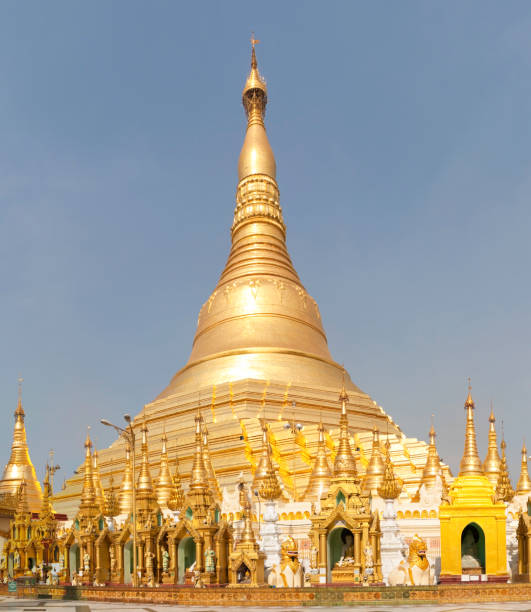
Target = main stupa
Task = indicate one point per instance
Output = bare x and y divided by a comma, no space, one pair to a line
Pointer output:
259,354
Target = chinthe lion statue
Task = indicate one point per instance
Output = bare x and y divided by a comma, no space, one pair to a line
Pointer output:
290,572
415,570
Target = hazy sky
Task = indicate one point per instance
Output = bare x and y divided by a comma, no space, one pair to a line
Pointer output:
402,137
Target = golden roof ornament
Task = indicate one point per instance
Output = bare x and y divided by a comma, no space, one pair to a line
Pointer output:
391,486
176,500
209,468
524,484
321,475
22,499
344,464
19,467
492,463
125,497
164,487
504,489
265,477
198,477
470,463
46,508
144,489
96,479
432,469
376,468
88,494
112,505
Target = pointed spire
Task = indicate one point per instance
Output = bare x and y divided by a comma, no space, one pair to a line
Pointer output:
88,494
524,484
164,481
125,497
209,468
432,469
492,463
321,475
256,157
96,479
504,489
344,464
198,477
265,477
376,468
144,483
176,500
391,485
470,463
46,508
19,467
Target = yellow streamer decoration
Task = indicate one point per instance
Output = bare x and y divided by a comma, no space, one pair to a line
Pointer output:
408,457
248,450
284,401
283,470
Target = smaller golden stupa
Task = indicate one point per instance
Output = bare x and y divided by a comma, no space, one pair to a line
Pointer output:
473,522
19,468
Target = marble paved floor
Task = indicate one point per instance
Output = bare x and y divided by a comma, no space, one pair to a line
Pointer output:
29,605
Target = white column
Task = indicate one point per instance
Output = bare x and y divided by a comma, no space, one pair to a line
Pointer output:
269,534
391,544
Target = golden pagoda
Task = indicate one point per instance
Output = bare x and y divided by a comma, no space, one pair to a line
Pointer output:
504,489
523,486
259,346
473,522
391,486
125,496
492,463
19,467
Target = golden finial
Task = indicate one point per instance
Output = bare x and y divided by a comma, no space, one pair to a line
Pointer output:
504,489
19,412
470,463
492,463
343,397
391,486
265,478
88,494
198,477
524,484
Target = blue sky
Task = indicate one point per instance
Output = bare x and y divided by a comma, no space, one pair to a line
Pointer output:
401,133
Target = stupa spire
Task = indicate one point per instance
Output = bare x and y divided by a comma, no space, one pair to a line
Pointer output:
470,463
504,489
432,469
144,489
88,494
524,484
209,468
96,479
164,486
376,468
125,499
19,467
199,476
344,464
319,482
492,463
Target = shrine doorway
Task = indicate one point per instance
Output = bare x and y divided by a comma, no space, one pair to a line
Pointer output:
473,550
340,542
73,559
185,557
128,562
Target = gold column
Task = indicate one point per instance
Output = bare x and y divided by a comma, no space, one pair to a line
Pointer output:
199,554
357,549
323,562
